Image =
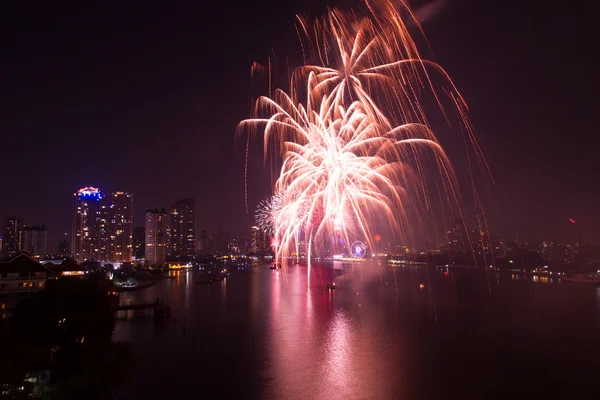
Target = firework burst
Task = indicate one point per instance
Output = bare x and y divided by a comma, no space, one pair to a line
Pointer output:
352,133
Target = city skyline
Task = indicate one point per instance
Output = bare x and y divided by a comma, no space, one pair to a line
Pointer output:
199,242
539,183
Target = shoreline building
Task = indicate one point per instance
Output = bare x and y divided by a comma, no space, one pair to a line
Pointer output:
121,224
183,228
156,237
102,226
260,242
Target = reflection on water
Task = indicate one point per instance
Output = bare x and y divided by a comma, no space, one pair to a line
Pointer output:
338,358
284,335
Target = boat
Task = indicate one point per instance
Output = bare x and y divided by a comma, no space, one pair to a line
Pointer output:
130,287
582,278
180,266
331,286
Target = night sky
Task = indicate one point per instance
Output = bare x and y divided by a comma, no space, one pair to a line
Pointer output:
145,98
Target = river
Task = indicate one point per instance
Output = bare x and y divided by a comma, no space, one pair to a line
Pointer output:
468,334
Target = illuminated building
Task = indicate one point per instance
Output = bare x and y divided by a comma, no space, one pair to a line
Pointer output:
34,241
121,224
254,239
102,226
91,237
139,242
259,240
183,228
11,238
156,237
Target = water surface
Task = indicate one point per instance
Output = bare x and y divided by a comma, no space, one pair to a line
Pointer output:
263,334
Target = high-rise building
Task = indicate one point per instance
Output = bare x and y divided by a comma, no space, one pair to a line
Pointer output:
156,237
139,242
102,226
121,227
254,232
91,236
259,240
183,228
34,241
11,238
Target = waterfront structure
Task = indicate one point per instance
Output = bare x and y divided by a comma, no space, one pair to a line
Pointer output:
11,235
254,239
20,277
102,226
259,240
156,237
139,242
90,240
121,226
34,241
183,228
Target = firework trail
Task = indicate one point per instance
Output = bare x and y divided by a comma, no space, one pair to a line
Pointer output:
352,132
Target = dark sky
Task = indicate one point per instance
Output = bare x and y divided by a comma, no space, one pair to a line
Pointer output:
145,98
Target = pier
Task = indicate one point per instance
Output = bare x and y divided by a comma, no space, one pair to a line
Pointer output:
140,308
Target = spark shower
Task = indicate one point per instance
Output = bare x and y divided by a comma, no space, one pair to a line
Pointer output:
353,143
